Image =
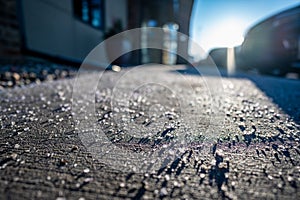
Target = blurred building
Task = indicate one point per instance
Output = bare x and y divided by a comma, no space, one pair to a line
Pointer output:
10,36
273,45
67,29
157,13
70,29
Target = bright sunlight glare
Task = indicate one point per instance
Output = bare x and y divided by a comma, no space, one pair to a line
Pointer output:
228,34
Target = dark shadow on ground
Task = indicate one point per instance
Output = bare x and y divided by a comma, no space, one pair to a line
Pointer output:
283,92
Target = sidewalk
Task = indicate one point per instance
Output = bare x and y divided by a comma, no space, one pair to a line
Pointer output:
21,71
257,154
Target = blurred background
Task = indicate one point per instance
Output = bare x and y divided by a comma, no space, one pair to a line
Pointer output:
261,35
70,29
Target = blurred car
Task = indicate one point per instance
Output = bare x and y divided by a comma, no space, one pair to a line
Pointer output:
219,56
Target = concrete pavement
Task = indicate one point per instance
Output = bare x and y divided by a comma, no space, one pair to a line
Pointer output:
250,124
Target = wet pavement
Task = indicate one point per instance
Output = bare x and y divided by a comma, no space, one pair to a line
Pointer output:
241,137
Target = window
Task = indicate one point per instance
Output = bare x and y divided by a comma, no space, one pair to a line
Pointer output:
90,12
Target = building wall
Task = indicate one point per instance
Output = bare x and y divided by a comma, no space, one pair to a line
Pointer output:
10,37
51,28
162,12
115,10
184,17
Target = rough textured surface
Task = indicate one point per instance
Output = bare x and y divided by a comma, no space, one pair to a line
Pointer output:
256,155
26,70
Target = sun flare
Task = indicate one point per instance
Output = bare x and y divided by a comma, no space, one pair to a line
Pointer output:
228,34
